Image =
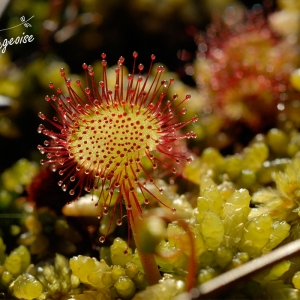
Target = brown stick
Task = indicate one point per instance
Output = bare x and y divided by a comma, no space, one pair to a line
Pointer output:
211,288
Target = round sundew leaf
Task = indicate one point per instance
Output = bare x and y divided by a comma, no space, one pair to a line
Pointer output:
105,132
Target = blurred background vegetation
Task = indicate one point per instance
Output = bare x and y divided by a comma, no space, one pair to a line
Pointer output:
70,32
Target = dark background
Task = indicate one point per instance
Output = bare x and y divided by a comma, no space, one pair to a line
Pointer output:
115,27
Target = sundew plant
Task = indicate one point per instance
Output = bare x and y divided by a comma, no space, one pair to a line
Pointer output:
102,136
127,202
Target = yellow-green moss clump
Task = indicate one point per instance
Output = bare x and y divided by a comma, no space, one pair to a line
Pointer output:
122,279
12,265
48,281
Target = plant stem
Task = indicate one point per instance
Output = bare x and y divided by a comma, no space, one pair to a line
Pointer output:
147,259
